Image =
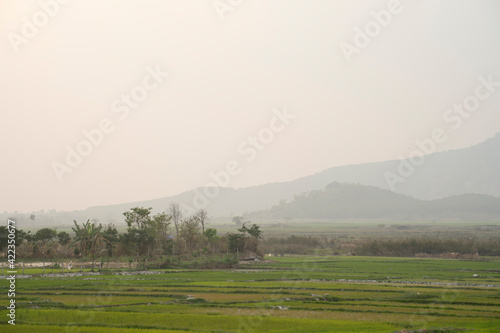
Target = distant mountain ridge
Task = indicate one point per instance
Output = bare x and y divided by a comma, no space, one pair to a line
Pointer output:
342,200
475,169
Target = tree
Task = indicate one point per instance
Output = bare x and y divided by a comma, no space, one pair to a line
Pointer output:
111,235
137,217
236,242
161,223
4,236
4,233
63,237
137,237
176,214
144,231
211,235
202,216
238,220
32,218
135,241
81,237
96,238
20,236
253,231
90,238
30,238
190,232
45,234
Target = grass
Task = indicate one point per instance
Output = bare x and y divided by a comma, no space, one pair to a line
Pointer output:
289,294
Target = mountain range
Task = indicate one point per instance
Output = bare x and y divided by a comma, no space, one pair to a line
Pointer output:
474,170
441,177
354,201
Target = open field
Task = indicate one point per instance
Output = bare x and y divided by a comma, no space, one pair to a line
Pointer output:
288,294
371,228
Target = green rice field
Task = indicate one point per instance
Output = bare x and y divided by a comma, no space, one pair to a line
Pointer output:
280,294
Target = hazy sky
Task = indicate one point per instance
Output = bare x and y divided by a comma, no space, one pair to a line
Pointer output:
231,69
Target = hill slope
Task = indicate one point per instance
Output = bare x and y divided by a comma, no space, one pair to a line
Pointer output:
469,170
341,200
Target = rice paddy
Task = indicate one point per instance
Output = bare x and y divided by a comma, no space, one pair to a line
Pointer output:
284,294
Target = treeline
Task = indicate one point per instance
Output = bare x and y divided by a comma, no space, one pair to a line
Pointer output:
147,236
45,240
429,247
408,247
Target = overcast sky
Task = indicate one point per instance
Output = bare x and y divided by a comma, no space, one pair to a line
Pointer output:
231,69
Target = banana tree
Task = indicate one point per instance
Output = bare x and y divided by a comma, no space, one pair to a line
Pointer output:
90,237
